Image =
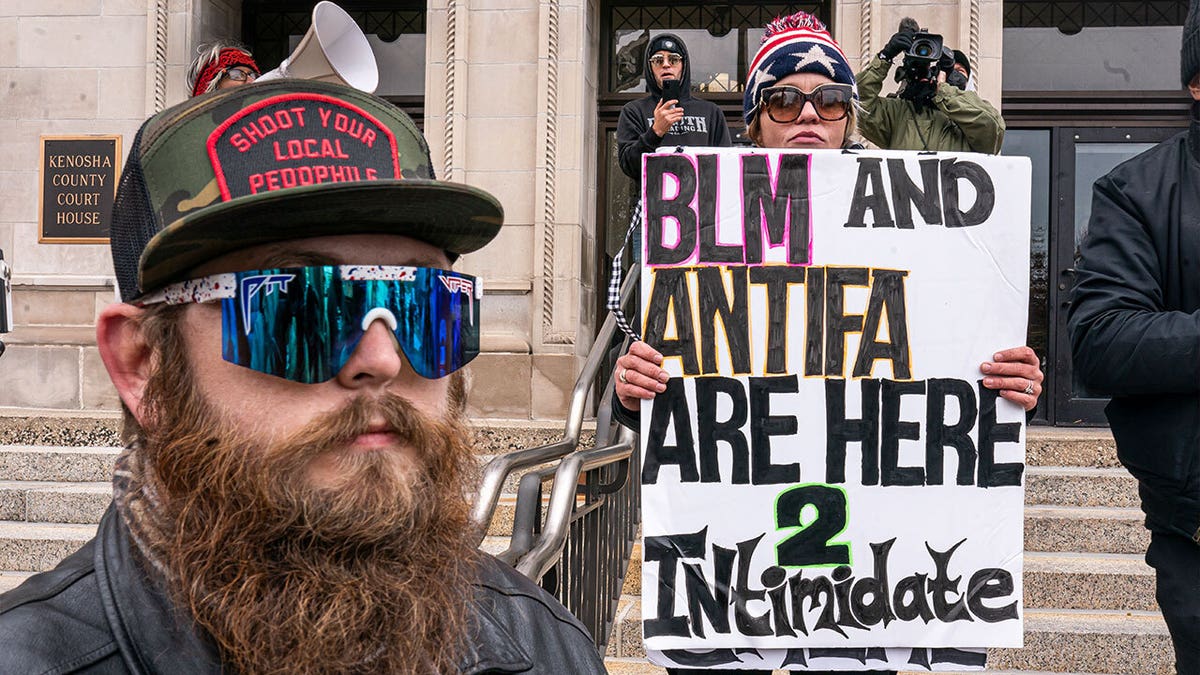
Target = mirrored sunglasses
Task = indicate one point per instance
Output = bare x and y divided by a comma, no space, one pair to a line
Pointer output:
303,323
784,103
658,60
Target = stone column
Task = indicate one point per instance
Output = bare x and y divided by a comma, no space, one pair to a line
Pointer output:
504,111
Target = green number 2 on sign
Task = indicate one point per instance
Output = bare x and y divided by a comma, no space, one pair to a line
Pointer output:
820,512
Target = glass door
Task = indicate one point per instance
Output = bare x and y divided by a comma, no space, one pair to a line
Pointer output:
1085,154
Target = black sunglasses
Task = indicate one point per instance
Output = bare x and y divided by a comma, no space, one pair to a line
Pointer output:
784,103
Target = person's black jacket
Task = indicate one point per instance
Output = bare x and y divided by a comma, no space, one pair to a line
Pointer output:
1135,322
97,613
703,124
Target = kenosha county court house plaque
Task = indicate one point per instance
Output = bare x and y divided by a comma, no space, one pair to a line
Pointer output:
78,184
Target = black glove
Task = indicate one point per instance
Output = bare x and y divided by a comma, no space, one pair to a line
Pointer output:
956,79
946,63
898,44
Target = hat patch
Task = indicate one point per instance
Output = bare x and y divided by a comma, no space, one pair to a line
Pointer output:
299,139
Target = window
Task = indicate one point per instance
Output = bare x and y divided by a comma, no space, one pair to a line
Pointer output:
1092,46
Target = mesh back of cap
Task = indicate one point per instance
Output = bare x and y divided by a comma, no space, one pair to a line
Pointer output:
133,223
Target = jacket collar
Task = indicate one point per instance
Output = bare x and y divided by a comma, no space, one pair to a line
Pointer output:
154,637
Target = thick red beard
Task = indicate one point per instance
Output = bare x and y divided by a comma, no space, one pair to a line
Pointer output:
373,576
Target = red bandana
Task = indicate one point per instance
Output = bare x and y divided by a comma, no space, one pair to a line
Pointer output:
228,59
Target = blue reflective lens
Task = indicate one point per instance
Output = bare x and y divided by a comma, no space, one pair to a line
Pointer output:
303,323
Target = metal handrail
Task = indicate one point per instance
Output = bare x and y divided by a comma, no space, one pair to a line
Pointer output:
499,468
562,500
527,515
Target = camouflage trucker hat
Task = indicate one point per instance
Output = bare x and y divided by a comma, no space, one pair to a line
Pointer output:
279,160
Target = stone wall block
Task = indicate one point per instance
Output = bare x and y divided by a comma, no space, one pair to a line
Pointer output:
81,259
122,94
514,189
571,138
85,42
502,90
19,203
553,378
123,7
501,5
504,36
50,7
567,236
570,90
507,260
98,392
506,313
8,40
40,377
567,184
497,144
498,386
48,93
40,307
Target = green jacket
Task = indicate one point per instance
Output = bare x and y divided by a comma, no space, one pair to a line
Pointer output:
958,121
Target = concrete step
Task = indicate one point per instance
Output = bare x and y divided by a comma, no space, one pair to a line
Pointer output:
619,666
57,463
54,502
1063,529
1091,642
1089,581
1048,446
1056,641
10,580
35,547
1080,486
78,429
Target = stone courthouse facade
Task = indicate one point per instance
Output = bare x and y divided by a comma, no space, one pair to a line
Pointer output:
520,97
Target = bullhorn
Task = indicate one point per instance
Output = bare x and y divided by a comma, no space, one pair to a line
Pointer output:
333,50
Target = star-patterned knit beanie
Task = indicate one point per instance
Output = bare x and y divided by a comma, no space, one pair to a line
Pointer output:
798,43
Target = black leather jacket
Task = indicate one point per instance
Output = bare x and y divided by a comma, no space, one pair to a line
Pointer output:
97,613
1135,322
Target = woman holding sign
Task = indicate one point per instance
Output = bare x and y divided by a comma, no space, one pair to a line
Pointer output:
801,94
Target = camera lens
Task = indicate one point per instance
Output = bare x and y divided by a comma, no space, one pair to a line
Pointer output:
923,49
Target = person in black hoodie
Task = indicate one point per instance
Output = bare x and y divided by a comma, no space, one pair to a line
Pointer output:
1135,335
653,121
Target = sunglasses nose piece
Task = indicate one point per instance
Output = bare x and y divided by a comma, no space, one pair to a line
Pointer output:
381,314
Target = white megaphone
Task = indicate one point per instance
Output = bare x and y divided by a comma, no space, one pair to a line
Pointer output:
333,50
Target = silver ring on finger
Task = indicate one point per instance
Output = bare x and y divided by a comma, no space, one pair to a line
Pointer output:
621,376
1029,387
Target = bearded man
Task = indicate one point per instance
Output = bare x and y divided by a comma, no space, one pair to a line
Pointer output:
292,498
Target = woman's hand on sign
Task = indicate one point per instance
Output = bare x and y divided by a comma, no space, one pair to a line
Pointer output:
1017,374
638,375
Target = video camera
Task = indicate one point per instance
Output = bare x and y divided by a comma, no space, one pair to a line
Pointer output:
918,73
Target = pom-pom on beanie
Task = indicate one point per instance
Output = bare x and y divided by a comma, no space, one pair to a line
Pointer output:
798,43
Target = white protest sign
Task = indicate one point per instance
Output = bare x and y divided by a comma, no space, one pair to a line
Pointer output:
825,469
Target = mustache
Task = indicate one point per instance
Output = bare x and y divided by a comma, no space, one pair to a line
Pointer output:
338,428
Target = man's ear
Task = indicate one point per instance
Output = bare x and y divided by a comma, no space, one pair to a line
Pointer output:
125,353
1194,87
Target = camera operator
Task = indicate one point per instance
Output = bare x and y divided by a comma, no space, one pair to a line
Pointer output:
933,109
668,114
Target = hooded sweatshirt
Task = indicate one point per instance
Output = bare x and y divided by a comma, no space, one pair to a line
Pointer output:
703,123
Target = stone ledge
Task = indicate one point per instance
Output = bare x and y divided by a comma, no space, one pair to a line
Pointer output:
52,335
